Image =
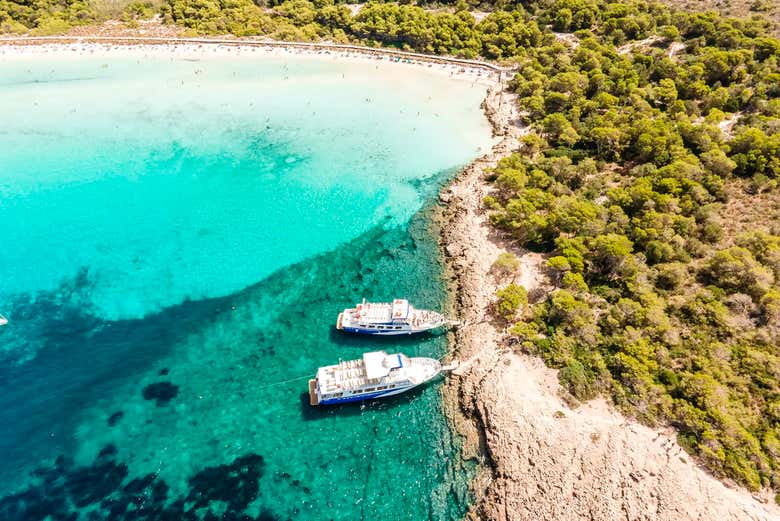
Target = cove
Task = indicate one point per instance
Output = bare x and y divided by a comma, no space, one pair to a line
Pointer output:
181,232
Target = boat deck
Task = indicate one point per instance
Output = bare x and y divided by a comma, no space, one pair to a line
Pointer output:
374,313
348,374
351,375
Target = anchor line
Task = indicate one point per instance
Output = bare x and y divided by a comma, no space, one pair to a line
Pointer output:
465,324
283,382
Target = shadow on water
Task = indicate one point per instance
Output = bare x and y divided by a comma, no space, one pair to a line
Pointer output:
81,359
371,342
428,187
46,81
319,412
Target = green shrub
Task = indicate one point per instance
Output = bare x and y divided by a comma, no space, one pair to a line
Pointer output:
574,282
770,306
12,27
510,300
575,378
671,276
51,26
506,264
735,269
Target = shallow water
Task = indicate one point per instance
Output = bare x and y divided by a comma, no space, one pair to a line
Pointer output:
179,237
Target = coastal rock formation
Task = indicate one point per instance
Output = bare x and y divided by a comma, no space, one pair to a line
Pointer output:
545,460
552,462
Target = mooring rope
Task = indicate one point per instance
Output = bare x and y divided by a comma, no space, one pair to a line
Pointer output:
283,382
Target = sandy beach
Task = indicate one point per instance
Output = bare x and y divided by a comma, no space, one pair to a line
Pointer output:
192,48
543,459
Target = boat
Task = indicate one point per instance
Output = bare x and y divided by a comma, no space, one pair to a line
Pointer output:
3,320
376,375
389,318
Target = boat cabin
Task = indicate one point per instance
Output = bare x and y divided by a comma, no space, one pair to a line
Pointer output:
375,372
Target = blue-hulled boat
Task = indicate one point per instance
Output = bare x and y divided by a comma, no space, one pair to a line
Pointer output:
389,318
376,375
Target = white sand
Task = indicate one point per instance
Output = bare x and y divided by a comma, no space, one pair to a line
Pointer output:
193,49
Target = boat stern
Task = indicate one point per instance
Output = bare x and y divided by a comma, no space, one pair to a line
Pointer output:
314,398
339,324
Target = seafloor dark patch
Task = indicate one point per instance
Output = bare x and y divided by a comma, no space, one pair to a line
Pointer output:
235,484
88,485
92,358
161,392
58,493
114,418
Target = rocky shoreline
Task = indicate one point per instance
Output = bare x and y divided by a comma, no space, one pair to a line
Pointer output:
542,459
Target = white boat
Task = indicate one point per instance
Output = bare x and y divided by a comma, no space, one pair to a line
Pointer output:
389,318
376,375
3,320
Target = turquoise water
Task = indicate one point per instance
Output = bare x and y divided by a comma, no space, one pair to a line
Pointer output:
179,236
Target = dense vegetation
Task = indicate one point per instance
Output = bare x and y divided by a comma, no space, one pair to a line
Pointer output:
45,16
645,121
623,183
